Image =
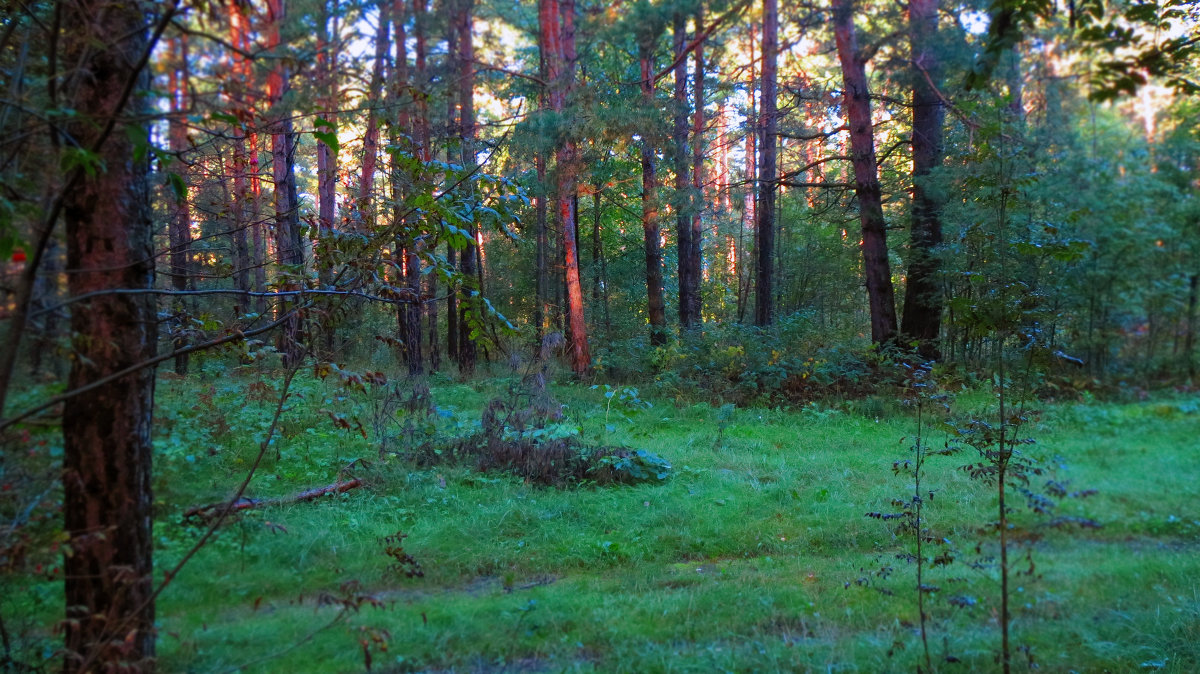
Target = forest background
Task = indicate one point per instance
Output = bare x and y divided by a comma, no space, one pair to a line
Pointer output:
730,203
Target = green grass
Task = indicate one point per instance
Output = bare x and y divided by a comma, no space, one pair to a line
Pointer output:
746,560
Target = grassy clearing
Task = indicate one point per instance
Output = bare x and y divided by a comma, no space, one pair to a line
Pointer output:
746,560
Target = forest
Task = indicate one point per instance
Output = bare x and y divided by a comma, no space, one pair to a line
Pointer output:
582,336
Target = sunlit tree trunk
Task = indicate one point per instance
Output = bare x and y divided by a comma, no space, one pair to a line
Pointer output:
764,294
923,292
866,177
557,22
364,215
107,501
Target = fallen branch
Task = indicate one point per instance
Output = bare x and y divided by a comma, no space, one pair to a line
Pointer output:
209,511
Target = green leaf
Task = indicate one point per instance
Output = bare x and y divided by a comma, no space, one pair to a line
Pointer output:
177,185
328,138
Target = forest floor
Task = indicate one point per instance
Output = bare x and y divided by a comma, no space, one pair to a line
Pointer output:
756,555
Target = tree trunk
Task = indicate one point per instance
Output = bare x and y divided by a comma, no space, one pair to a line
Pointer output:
557,22
541,310
866,178
242,217
288,245
683,182
364,217
326,159
764,294
923,294
107,449
655,304
408,239
469,256
180,225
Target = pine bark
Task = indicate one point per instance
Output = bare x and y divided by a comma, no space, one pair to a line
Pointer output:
923,294
764,295
876,267
557,22
107,500
364,215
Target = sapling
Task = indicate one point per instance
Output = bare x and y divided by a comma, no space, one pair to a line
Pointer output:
920,393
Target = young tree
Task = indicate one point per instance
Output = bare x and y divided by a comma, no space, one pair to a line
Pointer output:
866,177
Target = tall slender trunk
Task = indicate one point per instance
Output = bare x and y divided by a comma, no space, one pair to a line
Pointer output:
180,224
763,290
541,310
923,294
326,159
364,216
683,182
107,499
452,131
695,254
409,240
288,245
469,256
656,306
242,217
866,179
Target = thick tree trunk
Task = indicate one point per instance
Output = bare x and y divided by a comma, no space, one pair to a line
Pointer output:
107,449
866,178
288,245
764,295
683,182
656,306
557,22
469,256
923,293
